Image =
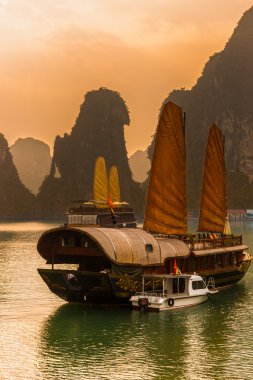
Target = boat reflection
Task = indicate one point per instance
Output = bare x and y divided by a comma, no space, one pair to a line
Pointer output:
95,343
213,336
91,343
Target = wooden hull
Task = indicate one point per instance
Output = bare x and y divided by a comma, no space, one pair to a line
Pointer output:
89,287
106,288
226,277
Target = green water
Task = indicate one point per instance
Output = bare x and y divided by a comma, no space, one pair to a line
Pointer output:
41,337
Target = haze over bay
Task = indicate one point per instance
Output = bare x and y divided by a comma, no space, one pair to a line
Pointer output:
53,53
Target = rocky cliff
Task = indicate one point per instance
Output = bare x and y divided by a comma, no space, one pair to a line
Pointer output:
224,95
16,201
98,131
32,160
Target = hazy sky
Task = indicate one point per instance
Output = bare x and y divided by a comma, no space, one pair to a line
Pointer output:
53,51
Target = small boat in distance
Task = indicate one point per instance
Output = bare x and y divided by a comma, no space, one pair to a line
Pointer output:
178,291
106,208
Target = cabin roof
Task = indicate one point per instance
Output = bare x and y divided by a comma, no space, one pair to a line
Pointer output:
135,246
128,246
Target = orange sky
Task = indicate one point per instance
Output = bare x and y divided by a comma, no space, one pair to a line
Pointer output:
53,52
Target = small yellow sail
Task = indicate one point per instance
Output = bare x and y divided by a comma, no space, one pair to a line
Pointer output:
227,229
166,201
114,189
100,184
213,210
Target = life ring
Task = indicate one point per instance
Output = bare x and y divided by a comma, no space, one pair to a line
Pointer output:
171,302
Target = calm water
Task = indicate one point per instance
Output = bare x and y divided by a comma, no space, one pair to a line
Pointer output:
41,337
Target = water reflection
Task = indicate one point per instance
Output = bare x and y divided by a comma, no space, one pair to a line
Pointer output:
25,226
40,340
214,335
200,342
94,343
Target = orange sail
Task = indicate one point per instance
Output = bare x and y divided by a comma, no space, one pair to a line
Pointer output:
166,201
213,210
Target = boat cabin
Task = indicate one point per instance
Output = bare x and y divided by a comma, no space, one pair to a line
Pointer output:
175,285
89,214
178,291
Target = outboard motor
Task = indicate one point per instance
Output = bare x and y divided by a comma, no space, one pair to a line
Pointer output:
143,303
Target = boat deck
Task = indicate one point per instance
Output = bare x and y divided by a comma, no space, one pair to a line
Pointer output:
164,295
212,241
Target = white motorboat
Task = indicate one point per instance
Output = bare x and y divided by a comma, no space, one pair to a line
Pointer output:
178,291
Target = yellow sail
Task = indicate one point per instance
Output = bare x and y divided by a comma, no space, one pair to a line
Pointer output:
114,189
100,185
213,210
166,201
227,229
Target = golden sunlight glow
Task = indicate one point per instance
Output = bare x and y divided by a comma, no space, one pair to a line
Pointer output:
52,53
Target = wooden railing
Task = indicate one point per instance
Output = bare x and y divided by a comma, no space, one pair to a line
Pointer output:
196,243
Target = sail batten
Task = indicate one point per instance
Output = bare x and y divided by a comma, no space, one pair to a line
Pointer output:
166,201
213,208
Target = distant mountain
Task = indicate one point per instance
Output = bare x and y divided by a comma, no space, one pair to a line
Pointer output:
32,160
224,95
140,165
98,131
16,201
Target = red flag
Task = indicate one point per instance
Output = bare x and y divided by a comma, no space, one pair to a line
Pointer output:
110,202
175,267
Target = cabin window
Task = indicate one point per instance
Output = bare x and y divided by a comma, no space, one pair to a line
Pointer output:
234,258
198,263
78,241
68,241
168,266
74,219
183,266
178,285
84,242
227,260
211,260
192,264
71,241
204,262
198,285
218,261
149,248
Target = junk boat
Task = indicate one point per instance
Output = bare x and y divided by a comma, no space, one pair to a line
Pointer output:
106,209
111,255
182,290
